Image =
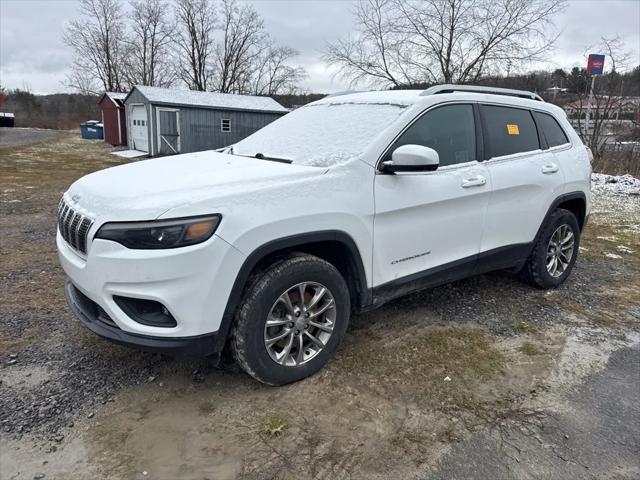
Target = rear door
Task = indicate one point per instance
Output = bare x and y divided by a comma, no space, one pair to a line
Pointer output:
139,128
432,222
525,179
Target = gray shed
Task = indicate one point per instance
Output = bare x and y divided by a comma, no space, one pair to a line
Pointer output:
164,121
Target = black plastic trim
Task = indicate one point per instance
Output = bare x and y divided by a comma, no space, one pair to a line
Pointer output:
364,293
126,305
477,118
542,138
432,277
200,345
408,168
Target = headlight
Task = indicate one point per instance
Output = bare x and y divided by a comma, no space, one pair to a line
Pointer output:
161,233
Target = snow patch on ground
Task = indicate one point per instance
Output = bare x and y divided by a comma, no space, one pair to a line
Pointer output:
614,184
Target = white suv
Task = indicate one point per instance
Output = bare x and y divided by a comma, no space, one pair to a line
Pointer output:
270,245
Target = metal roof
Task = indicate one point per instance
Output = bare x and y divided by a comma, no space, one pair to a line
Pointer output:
228,101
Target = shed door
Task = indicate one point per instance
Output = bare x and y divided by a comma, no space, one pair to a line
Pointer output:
168,131
139,128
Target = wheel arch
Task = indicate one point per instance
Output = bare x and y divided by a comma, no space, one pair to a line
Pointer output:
334,246
575,202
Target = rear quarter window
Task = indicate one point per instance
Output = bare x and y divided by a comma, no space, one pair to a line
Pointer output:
509,130
552,130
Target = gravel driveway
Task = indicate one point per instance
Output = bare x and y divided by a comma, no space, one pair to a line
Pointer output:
481,378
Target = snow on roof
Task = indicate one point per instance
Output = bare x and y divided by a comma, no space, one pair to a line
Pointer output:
395,97
7,115
116,95
210,99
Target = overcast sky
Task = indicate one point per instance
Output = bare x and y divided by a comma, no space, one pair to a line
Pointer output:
33,55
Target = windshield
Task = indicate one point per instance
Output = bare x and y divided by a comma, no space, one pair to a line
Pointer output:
321,134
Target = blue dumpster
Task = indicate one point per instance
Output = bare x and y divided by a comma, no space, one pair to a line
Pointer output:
92,130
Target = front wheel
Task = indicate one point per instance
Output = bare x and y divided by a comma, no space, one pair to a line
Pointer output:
554,252
293,316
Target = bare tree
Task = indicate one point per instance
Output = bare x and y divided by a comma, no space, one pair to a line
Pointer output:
238,53
148,56
97,42
194,41
273,75
401,42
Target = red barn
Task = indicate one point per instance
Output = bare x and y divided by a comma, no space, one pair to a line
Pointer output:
113,118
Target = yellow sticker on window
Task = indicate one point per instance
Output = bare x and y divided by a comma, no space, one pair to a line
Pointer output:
513,129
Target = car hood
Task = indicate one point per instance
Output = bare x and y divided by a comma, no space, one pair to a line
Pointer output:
146,189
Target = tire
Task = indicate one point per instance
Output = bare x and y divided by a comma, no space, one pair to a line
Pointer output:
263,298
536,271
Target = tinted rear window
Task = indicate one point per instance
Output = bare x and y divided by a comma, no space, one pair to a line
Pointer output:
509,130
552,130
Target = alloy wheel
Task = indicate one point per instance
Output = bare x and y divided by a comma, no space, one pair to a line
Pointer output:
560,250
300,323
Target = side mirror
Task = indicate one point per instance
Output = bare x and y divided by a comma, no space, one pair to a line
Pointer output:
412,158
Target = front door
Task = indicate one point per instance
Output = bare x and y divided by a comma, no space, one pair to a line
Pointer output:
432,222
139,128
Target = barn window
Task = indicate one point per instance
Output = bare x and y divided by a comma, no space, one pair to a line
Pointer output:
225,125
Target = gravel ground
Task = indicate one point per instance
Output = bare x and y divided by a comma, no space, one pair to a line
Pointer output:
82,405
13,137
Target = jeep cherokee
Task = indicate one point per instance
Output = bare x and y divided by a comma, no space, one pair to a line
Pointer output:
269,245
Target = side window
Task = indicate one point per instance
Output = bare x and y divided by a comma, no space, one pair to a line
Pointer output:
552,130
225,125
449,130
509,130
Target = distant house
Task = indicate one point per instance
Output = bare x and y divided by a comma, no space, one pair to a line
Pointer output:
114,118
616,106
164,121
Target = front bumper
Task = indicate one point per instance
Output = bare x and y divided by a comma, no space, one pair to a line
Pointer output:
193,283
96,320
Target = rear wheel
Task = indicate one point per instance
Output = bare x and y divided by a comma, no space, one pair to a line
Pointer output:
554,252
293,316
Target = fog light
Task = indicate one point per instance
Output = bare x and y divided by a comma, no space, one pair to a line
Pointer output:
146,312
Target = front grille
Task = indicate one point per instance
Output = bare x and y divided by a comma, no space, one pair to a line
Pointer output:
74,226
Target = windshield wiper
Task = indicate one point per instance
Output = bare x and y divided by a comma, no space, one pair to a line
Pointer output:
261,156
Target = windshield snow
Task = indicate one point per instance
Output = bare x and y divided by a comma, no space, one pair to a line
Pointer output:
321,134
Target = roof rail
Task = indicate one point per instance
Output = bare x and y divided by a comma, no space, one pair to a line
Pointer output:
448,88
344,92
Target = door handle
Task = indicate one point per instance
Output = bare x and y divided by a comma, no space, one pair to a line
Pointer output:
550,168
476,181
